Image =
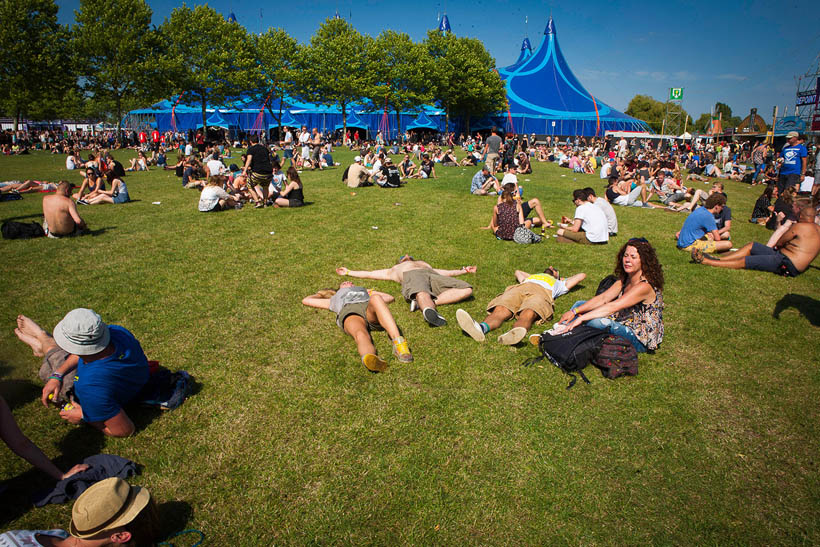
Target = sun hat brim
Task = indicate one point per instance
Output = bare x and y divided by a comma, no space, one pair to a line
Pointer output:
138,498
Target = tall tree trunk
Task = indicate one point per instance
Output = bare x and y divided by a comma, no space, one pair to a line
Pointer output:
344,120
16,119
204,116
119,116
398,124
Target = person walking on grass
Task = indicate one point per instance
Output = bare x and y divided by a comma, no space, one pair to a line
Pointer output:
359,311
422,285
530,301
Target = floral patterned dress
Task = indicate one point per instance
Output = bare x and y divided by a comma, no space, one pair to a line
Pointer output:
507,220
645,320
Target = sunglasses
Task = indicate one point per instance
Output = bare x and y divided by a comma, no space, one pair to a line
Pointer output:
638,240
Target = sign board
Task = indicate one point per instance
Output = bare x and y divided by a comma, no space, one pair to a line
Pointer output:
675,93
803,100
815,123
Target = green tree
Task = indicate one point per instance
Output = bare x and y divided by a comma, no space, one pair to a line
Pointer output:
334,68
703,123
653,112
206,57
401,74
117,49
463,76
35,70
275,53
725,112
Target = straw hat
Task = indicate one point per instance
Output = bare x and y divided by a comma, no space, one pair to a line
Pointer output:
106,505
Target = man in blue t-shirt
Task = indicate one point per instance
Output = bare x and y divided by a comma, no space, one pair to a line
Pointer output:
702,222
793,168
105,365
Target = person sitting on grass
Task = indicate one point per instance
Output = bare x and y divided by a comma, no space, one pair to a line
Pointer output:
359,311
530,301
606,207
619,193
483,181
214,197
524,166
23,447
60,216
140,163
291,195
589,226
91,186
117,194
791,255
764,206
108,513
422,285
699,223
407,167
632,307
104,364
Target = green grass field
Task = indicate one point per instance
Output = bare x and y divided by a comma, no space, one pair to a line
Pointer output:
289,440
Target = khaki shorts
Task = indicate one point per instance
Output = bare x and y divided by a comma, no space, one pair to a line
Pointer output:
577,237
51,362
357,308
705,245
492,160
424,280
526,296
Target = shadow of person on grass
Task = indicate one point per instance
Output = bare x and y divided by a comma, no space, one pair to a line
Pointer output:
17,492
174,517
18,392
807,306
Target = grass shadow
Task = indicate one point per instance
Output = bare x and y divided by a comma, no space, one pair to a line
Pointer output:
174,517
19,392
807,306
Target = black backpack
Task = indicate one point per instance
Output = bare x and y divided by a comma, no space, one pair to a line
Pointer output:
21,230
571,351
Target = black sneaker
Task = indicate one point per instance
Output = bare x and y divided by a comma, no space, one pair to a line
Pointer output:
82,202
432,317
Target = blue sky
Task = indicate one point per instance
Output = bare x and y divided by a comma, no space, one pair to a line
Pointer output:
743,53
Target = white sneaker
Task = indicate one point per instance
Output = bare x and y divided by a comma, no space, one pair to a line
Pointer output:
469,325
513,336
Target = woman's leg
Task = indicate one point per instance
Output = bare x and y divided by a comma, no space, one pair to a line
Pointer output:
100,198
356,327
379,313
618,329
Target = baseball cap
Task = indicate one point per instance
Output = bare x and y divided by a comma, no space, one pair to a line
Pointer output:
357,159
82,332
792,134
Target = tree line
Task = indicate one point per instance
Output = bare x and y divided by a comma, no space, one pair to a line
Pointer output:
112,59
653,112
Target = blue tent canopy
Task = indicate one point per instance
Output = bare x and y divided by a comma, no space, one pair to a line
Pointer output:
423,121
545,97
526,53
215,120
287,121
352,121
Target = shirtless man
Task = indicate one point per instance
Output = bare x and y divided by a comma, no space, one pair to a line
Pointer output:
422,285
791,256
60,212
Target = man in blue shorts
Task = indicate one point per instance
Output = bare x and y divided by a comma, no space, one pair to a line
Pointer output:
104,364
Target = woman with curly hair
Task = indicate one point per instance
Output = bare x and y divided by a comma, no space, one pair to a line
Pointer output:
632,307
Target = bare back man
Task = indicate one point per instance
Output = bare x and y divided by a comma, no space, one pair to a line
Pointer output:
791,256
422,285
60,212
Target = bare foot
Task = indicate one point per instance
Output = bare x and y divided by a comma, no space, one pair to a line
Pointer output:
32,342
28,326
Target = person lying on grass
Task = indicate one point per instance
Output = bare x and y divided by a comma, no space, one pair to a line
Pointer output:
528,302
117,194
422,285
632,307
791,255
22,187
104,364
700,223
359,311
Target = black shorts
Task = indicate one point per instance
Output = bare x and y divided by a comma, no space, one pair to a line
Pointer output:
784,181
766,259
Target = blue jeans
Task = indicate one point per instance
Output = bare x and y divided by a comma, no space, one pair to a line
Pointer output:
758,168
616,328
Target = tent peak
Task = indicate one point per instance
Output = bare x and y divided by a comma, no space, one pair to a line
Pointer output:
526,45
550,27
444,24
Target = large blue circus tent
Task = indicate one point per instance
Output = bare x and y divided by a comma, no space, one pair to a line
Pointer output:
546,98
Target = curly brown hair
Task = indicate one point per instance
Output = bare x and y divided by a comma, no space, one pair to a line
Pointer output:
650,266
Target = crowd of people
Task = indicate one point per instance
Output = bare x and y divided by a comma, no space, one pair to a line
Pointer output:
92,370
